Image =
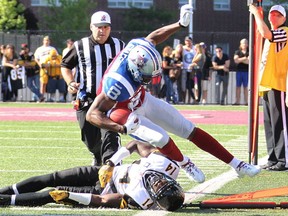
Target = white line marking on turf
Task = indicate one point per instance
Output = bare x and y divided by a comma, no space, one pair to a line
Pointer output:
151,212
213,184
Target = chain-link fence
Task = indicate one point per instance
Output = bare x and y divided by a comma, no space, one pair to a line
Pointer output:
228,40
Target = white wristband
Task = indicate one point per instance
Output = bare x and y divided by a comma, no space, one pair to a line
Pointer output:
82,198
122,153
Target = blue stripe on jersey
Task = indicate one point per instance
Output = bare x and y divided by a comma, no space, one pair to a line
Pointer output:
118,85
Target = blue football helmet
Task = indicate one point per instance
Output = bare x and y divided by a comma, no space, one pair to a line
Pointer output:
144,62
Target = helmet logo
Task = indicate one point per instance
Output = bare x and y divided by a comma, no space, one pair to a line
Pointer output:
140,61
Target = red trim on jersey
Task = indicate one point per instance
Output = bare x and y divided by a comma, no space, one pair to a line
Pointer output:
124,104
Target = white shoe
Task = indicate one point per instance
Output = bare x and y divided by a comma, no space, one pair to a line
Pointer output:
247,169
193,172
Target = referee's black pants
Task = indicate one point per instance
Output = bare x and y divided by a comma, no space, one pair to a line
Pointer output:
275,126
101,143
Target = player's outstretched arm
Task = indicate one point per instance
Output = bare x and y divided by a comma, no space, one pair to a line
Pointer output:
141,148
261,25
107,200
93,200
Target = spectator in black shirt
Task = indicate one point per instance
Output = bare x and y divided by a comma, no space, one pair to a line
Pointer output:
32,71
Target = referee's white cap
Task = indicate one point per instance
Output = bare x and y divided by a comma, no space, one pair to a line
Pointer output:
100,18
278,8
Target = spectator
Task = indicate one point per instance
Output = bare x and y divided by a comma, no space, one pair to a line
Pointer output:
32,71
69,44
241,58
96,53
221,64
167,65
196,66
4,86
187,84
55,80
12,74
206,72
177,55
274,85
41,54
156,86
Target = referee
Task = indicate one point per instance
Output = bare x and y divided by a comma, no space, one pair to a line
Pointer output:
91,57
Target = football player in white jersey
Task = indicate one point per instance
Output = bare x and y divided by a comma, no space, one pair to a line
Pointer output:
151,118
148,183
131,185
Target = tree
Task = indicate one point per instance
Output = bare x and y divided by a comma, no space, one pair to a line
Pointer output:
146,20
12,15
70,19
70,15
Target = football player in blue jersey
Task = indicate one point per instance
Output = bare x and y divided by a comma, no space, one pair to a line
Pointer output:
122,87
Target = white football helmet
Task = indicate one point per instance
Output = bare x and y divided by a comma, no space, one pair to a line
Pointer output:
144,62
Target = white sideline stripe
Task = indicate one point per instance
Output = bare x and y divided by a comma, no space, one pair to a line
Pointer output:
214,184
42,147
38,138
152,212
63,208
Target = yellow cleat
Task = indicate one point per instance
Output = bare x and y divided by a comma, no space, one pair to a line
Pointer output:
60,196
105,174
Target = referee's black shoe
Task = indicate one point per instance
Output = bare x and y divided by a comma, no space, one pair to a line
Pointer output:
277,167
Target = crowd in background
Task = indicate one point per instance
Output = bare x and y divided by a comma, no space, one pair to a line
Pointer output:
185,77
39,71
187,71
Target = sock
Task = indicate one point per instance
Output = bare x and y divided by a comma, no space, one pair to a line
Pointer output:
184,161
15,189
207,143
82,198
171,151
234,163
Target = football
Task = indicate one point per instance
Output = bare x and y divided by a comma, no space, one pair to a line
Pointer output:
119,115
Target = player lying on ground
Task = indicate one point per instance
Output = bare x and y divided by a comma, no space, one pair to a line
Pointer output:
128,186
149,118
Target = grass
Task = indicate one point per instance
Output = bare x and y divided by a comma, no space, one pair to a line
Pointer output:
35,148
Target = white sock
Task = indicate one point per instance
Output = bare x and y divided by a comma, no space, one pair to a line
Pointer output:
234,163
82,198
13,199
185,160
14,187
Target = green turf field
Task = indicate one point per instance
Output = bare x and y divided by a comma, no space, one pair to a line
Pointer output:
34,148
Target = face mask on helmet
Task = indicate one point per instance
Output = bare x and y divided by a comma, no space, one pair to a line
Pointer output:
164,190
144,62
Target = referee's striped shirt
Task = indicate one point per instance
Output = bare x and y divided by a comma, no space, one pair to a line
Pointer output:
91,60
279,36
